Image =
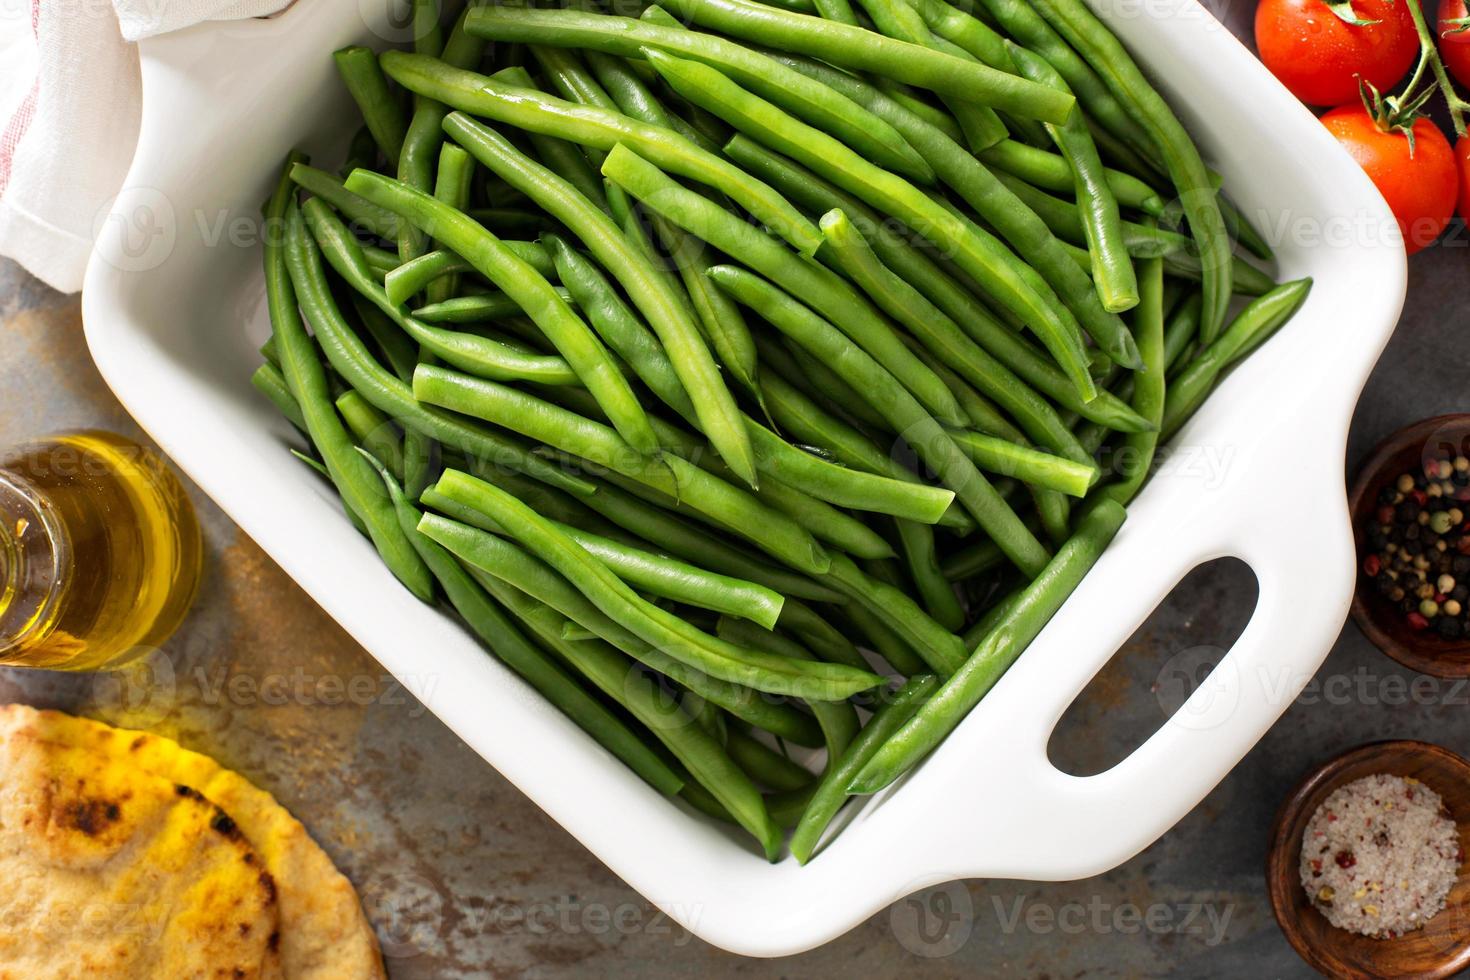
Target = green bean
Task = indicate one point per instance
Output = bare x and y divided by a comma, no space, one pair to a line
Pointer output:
619,326
1149,389
884,641
365,81
403,281
838,720
818,380
696,370
939,648
1050,171
928,439
357,210
547,501
915,267
824,521
570,77
670,475
393,397
618,679
656,574
1006,641
362,151
373,432
1180,331
496,562
1246,279
821,287
294,276
847,488
1006,458
974,560
1065,220
982,256
380,260
933,115
451,186
938,596
399,352
502,638
1107,56
856,48
764,765
475,308
675,637
571,336
1257,321
636,100
684,540
1054,510
896,19
981,411
268,380
820,636
960,28
1024,23
804,419
839,11
631,38
589,126
943,337
832,792
1112,270
423,138
720,319
469,352
1063,295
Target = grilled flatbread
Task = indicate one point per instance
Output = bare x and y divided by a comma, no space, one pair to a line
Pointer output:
114,872
324,933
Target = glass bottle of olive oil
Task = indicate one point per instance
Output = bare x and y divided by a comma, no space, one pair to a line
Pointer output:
100,552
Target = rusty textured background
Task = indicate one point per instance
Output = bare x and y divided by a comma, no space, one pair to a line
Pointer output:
465,878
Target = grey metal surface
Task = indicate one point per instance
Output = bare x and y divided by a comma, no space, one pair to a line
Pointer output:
465,878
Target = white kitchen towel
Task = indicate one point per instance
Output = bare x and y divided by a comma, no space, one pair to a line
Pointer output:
69,107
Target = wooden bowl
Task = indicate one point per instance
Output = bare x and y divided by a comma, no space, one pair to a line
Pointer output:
1404,452
1442,947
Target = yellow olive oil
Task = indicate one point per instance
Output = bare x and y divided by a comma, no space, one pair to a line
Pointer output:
100,552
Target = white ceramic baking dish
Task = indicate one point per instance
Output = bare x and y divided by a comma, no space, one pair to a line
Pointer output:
174,310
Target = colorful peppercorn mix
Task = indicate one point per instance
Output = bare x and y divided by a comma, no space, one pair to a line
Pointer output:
1418,546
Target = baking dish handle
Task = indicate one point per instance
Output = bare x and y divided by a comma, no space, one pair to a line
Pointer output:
1017,814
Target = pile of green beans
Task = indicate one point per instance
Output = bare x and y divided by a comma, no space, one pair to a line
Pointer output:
753,380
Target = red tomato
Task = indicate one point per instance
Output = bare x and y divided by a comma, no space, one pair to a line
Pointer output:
1420,188
1462,154
1454,48
1319,57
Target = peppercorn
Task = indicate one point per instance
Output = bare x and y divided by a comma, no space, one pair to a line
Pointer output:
1405,483
1429,608
1407,511
1440,522
1451,607
1460,592
1416,621
1448,627
1445,583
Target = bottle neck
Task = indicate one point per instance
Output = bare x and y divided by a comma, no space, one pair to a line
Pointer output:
32,552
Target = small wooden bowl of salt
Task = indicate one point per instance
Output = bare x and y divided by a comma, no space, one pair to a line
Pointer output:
1440,947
